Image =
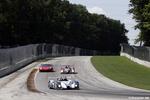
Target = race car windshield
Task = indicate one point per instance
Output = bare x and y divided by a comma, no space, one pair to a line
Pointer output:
44,65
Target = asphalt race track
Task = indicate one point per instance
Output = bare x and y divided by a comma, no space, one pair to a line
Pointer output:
92,83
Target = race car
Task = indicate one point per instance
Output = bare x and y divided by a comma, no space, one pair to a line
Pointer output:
68,70
63,84
46,68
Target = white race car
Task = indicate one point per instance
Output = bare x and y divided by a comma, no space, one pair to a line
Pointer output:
63,84
68,70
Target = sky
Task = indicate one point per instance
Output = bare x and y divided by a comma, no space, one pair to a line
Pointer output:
115,9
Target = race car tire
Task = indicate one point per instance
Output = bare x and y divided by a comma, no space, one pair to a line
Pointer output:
49,86
55,86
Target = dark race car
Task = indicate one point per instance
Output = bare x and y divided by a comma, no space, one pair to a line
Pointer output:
46,68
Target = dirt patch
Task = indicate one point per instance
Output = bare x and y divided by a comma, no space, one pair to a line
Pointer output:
30,81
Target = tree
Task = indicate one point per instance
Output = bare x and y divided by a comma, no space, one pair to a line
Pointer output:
140,10
58,21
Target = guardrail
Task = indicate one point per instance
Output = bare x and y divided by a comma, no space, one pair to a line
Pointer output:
12,59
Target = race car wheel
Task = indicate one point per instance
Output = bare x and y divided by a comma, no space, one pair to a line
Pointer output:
49,86
55,86
77,88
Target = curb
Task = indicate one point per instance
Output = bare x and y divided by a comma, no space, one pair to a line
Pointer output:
30,81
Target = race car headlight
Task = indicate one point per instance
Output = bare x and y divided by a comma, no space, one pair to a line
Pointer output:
59,86
40,68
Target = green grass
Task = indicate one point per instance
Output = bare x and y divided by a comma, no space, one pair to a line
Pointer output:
122,70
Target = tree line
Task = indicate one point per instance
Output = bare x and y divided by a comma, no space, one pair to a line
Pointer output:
141,13
58,21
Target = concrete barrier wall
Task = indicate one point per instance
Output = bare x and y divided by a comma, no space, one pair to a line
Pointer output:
137,54
13,59
137,60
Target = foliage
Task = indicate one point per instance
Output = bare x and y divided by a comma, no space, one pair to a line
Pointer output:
58,21
141,13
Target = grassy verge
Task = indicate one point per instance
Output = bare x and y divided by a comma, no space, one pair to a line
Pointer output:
123,70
